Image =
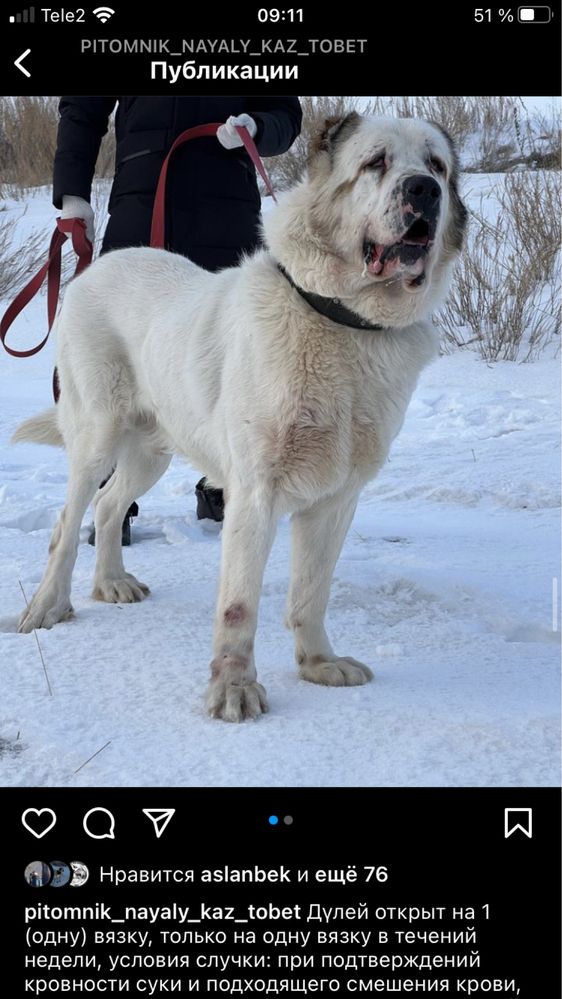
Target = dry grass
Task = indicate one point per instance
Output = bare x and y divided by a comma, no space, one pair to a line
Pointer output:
17,267
28,128
505,298
28,135
497,127
463,117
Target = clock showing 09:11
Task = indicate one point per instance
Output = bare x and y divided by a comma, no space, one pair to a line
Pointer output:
274,14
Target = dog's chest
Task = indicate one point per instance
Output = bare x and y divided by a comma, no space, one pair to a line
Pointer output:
334,421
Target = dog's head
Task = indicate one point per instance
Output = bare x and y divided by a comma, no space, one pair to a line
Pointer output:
378,216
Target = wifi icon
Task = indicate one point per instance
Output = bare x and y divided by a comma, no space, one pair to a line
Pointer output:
103,13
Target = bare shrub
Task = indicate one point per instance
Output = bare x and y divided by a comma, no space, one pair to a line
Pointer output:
506,294
540,140
532,200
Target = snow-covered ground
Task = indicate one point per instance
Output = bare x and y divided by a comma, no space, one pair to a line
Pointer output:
445,587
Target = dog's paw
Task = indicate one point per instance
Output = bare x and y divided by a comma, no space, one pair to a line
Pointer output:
44,611
235,701
127,590
339,672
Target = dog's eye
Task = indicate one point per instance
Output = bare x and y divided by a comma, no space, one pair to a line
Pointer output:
437,165
378,163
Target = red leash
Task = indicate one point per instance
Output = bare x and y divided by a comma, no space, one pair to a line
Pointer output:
158,212
76,229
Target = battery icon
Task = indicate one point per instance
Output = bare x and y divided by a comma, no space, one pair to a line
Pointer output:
534,15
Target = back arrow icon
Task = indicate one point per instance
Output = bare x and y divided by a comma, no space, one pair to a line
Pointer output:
19,60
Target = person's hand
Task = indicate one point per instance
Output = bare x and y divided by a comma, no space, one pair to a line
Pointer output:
227,134
76,208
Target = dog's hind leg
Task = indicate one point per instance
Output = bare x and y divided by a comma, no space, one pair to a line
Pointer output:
139,465
90,456
317,538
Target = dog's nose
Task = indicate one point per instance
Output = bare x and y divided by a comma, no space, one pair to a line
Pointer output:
423,193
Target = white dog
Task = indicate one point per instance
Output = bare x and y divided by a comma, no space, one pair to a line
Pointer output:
284,380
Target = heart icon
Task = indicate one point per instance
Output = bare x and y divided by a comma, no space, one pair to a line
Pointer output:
36,814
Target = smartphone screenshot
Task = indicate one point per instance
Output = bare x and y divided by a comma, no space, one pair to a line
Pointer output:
280,500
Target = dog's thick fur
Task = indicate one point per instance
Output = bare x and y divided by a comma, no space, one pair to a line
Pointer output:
283,408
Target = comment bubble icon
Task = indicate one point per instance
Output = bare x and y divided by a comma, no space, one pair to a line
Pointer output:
98,827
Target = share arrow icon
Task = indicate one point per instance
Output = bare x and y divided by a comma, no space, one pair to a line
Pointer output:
159,818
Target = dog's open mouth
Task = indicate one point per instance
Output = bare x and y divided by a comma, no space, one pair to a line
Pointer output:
409,252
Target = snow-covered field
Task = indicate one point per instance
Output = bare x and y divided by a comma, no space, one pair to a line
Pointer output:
445,587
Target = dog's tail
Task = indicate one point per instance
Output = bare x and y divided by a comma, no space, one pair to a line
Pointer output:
42,429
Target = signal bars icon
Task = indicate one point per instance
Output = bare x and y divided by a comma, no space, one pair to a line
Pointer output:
24,17
103,13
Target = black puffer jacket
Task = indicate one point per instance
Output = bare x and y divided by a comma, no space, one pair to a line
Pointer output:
213,205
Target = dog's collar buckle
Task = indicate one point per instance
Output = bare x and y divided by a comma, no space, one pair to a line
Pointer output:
332,308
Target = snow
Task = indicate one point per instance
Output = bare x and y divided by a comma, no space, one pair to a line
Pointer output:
444,588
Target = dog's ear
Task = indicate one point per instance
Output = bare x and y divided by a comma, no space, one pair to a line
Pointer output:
333,132
451,144
459,215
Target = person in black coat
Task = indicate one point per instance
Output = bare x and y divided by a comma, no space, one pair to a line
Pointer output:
212,198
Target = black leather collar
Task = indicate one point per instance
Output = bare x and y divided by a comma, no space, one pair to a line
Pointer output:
332,308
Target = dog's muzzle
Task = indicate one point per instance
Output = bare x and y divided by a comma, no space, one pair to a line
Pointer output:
420,196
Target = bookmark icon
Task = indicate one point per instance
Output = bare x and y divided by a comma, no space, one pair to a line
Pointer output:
518,819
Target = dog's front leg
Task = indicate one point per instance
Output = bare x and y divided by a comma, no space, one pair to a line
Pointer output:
249,527
317,538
